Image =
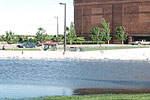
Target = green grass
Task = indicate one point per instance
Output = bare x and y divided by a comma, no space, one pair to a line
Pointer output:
113,48
98,97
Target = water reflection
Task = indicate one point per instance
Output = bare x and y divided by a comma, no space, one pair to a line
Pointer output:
23,91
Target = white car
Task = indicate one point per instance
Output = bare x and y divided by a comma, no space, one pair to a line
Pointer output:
135,43
143,42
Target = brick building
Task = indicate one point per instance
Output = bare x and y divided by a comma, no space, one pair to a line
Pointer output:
133,14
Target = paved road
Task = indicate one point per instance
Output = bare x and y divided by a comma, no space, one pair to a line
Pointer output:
9,46
14,46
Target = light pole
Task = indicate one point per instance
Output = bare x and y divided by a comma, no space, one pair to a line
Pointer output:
64,26
57,30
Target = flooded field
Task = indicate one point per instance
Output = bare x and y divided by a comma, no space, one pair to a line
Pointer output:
36,78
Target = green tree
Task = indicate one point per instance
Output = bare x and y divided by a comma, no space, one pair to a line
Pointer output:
60,38
96,34
2,38
16,38
121,34
10,37
71,33
54,39
49,37
106,30
41,35
24,38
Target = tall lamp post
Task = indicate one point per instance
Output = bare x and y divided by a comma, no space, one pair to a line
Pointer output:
64,26
57,30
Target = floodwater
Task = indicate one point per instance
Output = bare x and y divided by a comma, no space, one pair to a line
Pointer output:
36,78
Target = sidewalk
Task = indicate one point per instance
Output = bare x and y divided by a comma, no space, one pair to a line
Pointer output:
124,54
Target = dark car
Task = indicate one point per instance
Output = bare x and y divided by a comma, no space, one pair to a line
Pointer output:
27,45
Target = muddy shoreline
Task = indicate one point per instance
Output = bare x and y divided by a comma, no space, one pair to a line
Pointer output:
90,91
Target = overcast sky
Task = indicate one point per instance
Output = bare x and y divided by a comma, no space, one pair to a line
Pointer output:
25,16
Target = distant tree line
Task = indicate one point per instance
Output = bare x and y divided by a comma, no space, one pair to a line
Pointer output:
98,35
41,36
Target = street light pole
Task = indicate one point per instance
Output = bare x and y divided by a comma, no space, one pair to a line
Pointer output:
64,26
57,30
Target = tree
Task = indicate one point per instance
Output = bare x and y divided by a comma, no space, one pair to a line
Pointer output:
54,39
10,37
71,33
49,37
60,38
121,34
106,30
24,38
16,39
2,38
96,34
41,35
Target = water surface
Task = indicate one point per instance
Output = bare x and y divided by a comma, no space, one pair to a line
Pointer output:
35,78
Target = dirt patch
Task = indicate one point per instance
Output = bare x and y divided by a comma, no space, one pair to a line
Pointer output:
90,91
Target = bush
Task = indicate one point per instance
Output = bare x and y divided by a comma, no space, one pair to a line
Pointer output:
86,42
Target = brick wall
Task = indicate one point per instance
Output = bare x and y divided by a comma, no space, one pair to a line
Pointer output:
133,14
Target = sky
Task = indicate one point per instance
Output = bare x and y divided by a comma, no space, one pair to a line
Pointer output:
24,17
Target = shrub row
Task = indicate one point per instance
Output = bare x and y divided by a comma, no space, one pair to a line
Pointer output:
87,42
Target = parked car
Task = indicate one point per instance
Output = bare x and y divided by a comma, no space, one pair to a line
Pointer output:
135,43
27,45
143,42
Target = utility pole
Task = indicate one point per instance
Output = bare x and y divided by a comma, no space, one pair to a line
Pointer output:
57,30
64,27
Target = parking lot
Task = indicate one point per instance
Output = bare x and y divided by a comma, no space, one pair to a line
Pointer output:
8,46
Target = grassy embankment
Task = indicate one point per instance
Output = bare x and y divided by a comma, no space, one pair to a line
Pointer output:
98,97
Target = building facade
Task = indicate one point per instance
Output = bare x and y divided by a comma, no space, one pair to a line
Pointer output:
133,14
